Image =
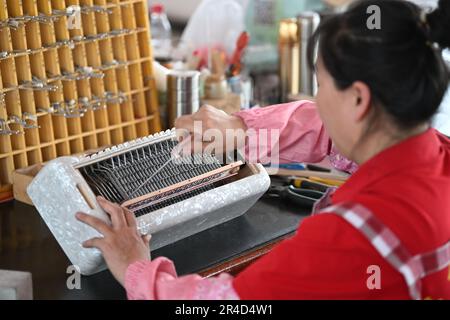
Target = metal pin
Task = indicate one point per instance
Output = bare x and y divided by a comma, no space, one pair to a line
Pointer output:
2,100
5,129
113,63
77,38
13,24
86,72
96,9
13,119
43,18
53,77
29,121
97,103
118,32
84,101
4,54
57,108
38,85
14,53
61,43
68,109
71,111
70,11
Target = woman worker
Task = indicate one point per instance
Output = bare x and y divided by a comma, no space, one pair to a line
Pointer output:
378,90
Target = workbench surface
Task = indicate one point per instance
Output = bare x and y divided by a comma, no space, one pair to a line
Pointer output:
26,244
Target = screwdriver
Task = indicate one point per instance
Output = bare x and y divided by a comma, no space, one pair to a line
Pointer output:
330,182
306,183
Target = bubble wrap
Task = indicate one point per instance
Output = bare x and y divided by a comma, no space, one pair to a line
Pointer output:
55,194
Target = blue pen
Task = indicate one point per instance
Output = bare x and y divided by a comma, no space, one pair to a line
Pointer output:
289,166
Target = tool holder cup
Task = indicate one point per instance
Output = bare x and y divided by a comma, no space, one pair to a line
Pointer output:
183,94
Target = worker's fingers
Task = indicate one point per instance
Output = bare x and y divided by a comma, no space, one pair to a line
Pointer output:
201,120
187,146
115,212
130,218
94,243
206,118
146,238
206,147
193,146
207,109
95,223
184,125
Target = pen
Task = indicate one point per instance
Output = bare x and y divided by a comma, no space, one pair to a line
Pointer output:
313,167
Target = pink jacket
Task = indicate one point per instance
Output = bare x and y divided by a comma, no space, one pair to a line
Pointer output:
302,139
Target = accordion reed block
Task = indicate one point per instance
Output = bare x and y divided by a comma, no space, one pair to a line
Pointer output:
182,198
75,75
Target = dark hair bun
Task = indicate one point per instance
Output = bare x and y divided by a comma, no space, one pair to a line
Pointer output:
406,74
439,22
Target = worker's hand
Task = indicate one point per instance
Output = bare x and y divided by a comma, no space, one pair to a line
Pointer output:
121,244
208,128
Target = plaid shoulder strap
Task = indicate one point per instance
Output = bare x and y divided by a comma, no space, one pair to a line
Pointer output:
413,268
324,201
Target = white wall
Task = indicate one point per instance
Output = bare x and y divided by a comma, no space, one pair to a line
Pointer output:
442,119
178,10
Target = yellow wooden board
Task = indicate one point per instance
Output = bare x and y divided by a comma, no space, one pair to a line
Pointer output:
75,75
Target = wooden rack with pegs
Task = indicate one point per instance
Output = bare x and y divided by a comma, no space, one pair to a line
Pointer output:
75,75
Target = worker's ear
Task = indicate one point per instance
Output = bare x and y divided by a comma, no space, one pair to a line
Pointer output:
362,100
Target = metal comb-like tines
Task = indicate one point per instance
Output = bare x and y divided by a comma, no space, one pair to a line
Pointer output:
123,177
170,201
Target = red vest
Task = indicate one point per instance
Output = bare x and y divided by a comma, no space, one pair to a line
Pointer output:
392,217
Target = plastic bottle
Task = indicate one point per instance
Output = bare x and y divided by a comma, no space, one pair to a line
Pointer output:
161,32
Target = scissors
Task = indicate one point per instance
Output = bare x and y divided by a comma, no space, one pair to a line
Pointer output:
305,198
